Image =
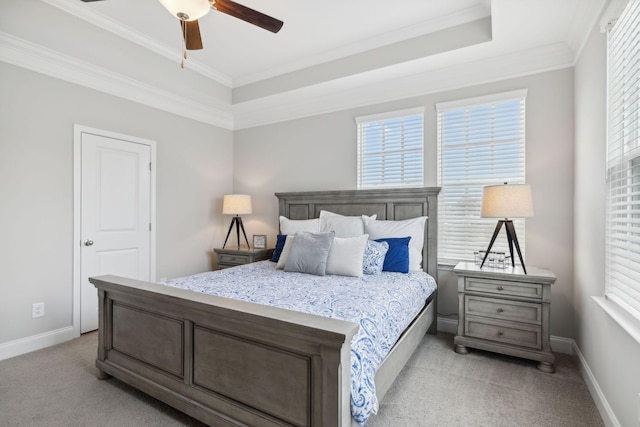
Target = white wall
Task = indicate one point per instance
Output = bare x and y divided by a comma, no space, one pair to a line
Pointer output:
319,153
37,114
611,354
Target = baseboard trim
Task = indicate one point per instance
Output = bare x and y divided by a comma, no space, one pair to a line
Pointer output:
562,345
447,325
36,342
566,346
607,414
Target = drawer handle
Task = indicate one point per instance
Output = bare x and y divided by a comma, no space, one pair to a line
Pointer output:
500,288
500,333
500,310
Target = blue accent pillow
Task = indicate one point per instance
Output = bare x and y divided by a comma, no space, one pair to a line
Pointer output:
281,238
397,257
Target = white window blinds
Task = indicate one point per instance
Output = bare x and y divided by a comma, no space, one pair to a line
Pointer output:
622,283
390,149
481,141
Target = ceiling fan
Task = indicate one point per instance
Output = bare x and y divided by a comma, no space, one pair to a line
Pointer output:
189,11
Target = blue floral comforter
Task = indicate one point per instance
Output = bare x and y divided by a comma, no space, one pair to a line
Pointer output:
384,305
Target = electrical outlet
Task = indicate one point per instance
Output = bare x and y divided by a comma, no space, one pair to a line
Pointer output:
37,310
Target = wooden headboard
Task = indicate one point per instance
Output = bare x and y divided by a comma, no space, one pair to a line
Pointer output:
388,204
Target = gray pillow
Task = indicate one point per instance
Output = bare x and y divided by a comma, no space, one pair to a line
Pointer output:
309,253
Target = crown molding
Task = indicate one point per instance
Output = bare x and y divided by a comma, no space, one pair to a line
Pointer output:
583,23
390,84
407,54
346,94
52,63
79,10
430,26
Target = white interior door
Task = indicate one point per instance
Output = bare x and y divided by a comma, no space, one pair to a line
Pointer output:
115,215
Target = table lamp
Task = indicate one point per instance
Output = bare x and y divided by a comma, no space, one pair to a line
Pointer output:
507,201
236,204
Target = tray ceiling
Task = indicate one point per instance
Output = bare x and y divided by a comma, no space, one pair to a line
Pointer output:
325,48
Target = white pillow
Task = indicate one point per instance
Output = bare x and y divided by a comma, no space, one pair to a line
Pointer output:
343,226
285,252
346,256
413,228
292,226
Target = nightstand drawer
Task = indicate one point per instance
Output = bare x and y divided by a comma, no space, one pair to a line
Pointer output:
501,287
508,333
503,309
232,259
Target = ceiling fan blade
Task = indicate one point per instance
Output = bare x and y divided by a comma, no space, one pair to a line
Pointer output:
191,34
248,15
88,1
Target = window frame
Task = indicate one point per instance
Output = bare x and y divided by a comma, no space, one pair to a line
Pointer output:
413,165
454,250
622,204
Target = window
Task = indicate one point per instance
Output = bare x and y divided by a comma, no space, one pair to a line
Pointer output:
622,281
480,142
390,149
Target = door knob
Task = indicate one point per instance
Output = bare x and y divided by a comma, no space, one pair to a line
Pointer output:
88,242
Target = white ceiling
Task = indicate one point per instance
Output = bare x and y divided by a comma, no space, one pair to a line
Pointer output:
332,47
313,31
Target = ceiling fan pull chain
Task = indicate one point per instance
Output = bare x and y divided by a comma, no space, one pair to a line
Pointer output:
183,25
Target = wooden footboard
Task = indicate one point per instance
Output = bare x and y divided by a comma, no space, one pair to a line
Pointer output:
222,361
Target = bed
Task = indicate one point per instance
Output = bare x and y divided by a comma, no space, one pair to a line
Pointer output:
229,362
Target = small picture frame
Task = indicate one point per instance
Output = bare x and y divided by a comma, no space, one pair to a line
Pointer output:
259,241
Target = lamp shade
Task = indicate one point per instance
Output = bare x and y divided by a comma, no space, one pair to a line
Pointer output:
507,201
193,9
236,204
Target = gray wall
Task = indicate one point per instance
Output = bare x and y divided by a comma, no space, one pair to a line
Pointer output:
37,114
610,352
319,153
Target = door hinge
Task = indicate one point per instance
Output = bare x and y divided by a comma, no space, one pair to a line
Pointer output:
149,166
149,226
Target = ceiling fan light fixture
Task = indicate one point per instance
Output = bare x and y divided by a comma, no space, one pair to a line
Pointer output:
187,10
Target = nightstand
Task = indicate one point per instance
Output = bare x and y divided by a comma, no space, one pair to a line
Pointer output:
232,257
505,311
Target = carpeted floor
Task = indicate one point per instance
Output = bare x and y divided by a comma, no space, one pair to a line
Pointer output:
57,386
